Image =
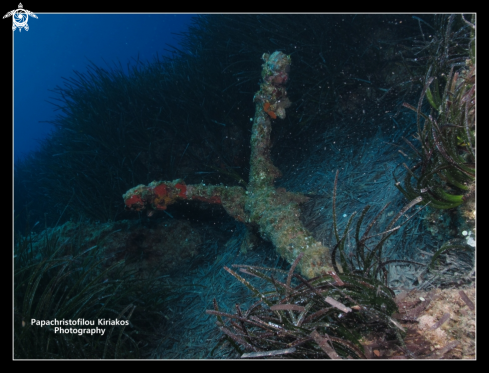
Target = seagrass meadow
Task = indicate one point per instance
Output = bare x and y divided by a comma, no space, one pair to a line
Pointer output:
281,187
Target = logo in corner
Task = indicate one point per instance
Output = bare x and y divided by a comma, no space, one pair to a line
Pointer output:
20,17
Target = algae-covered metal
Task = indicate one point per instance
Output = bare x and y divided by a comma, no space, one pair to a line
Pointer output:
274,211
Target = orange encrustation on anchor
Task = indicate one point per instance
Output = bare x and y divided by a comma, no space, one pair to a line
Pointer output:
266,107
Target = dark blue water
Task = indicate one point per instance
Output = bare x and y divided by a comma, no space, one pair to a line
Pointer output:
57,44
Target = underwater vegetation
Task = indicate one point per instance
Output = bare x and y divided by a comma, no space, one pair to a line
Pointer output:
67,280
444,173
327,316
296,317
365,259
